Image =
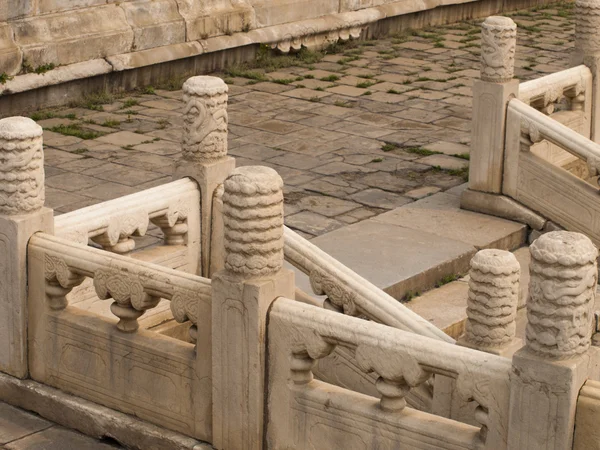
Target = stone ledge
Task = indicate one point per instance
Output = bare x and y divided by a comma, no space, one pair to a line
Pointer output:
90,418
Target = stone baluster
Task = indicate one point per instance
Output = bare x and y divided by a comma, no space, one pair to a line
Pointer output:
587,50
22,214
204,148
492,303
242,294
174,233
550,370
490,99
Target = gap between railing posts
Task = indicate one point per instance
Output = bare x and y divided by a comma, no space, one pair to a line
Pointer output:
22,213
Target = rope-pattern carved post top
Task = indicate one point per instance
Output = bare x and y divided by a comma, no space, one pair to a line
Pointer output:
493,298
253,222
21,166
498,46
205,119
562,290
587,26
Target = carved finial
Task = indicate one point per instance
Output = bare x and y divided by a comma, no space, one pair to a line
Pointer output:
253,221
587,26
21,166
498,45
562,289
493,299
205,119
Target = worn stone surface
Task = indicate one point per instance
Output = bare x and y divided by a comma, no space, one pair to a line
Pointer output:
344,136
413,259
441,215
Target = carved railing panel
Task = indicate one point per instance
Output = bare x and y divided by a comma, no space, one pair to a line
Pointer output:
302,334
135,286
173,207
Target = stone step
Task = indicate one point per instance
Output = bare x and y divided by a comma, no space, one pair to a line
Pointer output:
414,247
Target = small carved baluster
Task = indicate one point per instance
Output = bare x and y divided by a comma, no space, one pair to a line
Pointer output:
482,417
123,246
174,232
60,280
393,394
127,291
184,306
577,102
301,367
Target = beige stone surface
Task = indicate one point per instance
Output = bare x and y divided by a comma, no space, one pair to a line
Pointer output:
154,23
586,419
441,215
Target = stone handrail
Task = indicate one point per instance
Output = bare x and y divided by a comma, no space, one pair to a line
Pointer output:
401,360
134,285
115,219
547,90
350,292
536,127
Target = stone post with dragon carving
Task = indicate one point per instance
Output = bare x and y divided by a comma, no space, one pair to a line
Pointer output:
587,50
557,359
22,214
242,293
491,95
204,153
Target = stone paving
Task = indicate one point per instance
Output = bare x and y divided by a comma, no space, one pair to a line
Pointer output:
21,430
361,129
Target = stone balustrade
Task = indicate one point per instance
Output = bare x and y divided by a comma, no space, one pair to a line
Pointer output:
135,286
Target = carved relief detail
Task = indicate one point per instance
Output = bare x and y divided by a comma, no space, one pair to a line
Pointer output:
184,306
21,166
587,16
253,222
561,294
323,283
493,298
498,44
60,280
205,119
128,293
311,39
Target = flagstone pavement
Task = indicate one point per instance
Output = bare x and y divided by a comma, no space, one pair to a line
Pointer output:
371,126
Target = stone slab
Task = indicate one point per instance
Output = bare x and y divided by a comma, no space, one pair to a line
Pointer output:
394,258
441,215
445,307
57,438
16,423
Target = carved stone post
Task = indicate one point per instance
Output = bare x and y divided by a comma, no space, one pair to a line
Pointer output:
22,214
492,305
204,148
490,99
587,47
557,359
242,294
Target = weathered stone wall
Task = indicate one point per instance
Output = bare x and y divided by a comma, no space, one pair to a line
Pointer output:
34,33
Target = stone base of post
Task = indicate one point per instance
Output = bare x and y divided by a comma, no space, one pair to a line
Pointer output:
208,175
500,206
505,350
543,400
15,234
489,125
239,326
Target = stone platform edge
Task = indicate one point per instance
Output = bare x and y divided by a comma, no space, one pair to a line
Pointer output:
156,65
90,418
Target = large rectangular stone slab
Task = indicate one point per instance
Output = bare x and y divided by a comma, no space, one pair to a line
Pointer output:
394,258
155,23
16,423
441,215
74,36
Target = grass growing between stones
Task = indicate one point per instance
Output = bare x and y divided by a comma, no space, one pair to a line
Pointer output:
74,130
420,151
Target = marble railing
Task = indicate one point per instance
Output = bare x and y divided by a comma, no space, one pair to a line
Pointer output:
302,334
134,286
